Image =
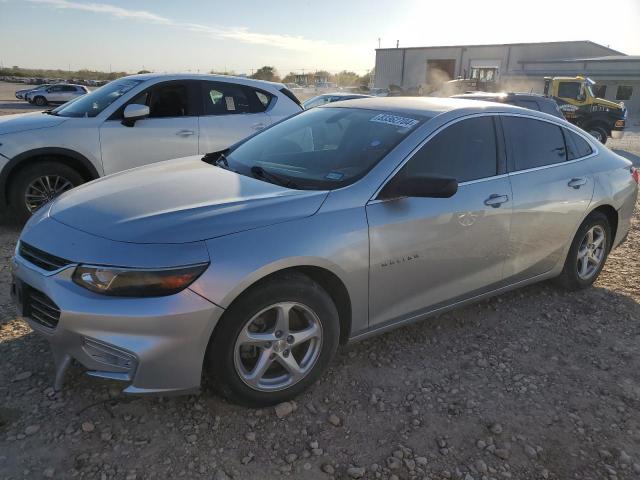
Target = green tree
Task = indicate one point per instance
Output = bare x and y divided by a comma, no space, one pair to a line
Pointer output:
347,79
266,73
290,78
144,71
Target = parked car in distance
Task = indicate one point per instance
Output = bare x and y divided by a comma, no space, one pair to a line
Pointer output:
257,261
21,94
330,98
59,93
379,92
127,123
531,101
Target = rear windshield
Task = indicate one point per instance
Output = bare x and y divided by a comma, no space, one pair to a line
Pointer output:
323,148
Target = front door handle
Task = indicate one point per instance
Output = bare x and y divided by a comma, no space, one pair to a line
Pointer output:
577,182
496,200
185,133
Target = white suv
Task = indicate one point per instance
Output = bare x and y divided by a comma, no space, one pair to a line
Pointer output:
59,93
127,123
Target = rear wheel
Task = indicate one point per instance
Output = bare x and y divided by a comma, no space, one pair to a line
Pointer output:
37,184
274,342
588,253
40,101
599,133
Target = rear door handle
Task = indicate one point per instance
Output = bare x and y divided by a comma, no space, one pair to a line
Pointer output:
185,133
577,182
496,200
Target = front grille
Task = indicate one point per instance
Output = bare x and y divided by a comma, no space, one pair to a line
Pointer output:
41,259
40,308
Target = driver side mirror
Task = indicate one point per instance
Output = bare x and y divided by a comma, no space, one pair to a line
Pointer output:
134,112
428,186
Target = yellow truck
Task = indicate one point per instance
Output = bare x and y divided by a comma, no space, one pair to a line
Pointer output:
576,99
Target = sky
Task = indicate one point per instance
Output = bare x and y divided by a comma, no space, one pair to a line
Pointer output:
292,35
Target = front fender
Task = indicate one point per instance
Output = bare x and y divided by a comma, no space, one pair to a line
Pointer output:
336,241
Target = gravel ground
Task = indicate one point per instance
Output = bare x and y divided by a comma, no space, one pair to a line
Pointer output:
534,384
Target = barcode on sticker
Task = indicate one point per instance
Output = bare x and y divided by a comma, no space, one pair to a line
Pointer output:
394,120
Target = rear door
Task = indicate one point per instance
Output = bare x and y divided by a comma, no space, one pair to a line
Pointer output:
552,188
428,251
230,112
170,131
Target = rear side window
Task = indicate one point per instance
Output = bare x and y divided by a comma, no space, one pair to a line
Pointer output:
221,98
533,143
577,147
465,151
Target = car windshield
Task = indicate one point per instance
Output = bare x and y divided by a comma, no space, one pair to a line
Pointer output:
323,148
93,103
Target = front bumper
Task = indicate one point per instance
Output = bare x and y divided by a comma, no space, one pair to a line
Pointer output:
155,345
617,134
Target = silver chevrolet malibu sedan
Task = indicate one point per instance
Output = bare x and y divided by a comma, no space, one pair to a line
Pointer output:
253,263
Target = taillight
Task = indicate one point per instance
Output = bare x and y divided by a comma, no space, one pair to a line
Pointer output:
635,174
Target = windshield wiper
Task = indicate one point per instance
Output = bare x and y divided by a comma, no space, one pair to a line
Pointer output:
283,181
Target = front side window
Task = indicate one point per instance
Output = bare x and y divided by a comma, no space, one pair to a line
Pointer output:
323,148
624,92
569,90
533,143
465,151
95,102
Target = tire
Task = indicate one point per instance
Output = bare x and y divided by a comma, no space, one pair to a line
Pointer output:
40,101
225,360
571,278
22,181
599,133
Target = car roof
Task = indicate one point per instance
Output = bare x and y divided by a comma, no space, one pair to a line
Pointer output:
426,106
202,76
488,95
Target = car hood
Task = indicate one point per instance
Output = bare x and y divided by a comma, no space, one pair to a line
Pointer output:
178,201
22,122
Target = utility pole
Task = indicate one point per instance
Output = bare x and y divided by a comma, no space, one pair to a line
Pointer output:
378,42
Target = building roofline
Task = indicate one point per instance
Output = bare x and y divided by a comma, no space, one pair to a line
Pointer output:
503,45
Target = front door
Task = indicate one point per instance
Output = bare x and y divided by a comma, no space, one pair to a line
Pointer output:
425,252
230,112
170,131
552,188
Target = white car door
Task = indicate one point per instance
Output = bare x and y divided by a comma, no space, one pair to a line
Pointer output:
54,94
230,112
170,131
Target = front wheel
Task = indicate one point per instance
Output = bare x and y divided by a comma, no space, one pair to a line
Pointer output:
39,183
274,342
40,101
599,133
588,253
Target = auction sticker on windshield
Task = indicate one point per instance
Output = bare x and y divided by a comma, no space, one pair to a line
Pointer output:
394,120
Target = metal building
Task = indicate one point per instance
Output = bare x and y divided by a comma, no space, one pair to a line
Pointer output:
521,66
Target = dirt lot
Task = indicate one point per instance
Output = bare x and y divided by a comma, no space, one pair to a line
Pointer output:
534,384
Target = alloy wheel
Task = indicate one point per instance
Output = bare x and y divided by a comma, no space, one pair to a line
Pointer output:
278,346
591,252
44,189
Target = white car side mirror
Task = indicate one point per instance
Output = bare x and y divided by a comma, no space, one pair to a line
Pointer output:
135,111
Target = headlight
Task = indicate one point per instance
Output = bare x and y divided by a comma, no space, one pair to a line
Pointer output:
132,282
